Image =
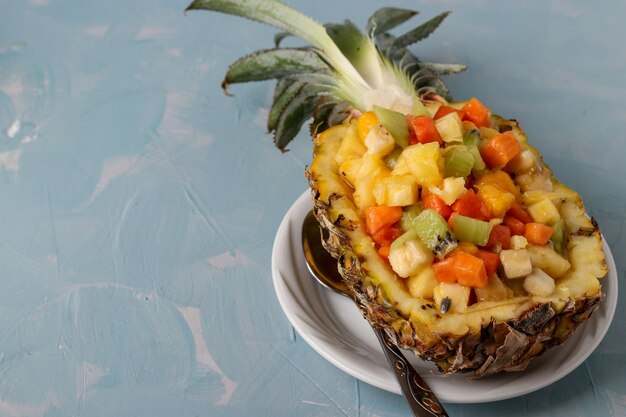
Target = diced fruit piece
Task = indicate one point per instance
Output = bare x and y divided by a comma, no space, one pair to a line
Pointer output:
377,217
422,284
516,263
450,128
518,242
497,201
452,189
548,260
477,112
472,230
522,163
499,179
424,130
462,267
500,149
538,233
458,162
469,270
409,258
445,110
499,238
517,226
395,123
384,251
434,232
539,283
364,123
391,160
469,204
544,211
516,210
409,214
491,260
422,161
379,141
495,290
403,238
468,247
444,270
451,297
434,202
396,190
386,235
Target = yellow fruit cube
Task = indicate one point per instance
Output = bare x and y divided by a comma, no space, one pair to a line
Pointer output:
450,127
498,201
396,190
364,123
544,211
422,284
424,162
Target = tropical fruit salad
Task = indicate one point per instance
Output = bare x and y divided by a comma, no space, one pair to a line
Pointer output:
453,234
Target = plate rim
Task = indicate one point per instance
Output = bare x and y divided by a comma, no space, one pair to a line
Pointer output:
609,305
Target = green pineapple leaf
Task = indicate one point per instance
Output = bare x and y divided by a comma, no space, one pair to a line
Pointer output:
295,114
268,64
421,32
387,18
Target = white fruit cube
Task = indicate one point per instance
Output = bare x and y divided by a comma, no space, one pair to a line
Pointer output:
409,258
516,263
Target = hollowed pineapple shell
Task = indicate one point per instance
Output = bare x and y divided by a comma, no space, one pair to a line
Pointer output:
490,336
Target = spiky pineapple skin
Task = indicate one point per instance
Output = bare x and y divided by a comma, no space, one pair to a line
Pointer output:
497,345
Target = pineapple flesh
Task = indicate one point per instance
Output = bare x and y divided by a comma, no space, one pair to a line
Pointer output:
386,134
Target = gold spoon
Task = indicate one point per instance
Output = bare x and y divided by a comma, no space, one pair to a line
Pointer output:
323,267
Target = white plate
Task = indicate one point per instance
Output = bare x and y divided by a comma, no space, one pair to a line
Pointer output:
334,327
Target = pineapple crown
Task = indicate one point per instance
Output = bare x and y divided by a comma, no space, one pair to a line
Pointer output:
341,69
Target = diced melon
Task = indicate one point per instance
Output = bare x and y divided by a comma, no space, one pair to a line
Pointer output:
451,297
422,284
396,190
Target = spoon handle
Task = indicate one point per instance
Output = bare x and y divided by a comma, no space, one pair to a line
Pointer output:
420,397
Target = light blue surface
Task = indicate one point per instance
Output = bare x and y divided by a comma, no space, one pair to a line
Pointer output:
139,204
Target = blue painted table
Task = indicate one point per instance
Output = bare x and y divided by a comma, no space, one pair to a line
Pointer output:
139,204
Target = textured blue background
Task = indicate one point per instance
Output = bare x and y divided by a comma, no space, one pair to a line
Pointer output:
138,204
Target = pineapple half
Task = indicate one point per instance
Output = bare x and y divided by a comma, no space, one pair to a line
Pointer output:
363,91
